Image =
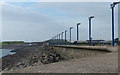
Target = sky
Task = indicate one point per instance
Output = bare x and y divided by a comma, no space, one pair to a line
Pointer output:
119,21
39,21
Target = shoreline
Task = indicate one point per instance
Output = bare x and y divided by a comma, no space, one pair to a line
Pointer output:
29,56
5,52
12,48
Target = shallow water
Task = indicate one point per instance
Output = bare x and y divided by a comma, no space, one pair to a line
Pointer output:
4,52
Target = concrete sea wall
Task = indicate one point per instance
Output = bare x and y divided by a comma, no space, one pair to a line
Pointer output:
72,51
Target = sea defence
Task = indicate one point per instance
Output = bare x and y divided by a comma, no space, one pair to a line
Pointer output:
74,51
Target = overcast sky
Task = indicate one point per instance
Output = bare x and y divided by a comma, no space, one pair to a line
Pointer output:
39,21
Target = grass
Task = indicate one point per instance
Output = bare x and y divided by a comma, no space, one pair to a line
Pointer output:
11,42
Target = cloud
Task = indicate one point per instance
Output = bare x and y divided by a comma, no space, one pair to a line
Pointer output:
43,20
19,22
80,11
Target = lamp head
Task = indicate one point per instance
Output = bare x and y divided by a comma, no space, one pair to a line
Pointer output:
78,23
71,27
116,3
91,17
113,4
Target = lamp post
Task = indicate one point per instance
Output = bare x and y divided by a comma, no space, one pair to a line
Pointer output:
55,40
52,41
65,37
112,7
62,37
59,39
78,31
70,34
90,38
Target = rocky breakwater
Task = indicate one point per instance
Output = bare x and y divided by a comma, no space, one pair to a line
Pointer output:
30,56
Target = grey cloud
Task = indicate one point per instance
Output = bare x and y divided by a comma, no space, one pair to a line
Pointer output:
40,26
20,23
81,10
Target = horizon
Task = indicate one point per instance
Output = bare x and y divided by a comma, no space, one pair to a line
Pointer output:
47,40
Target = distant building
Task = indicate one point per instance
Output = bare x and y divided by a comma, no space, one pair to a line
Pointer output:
95,41
34,43
81,41
106,42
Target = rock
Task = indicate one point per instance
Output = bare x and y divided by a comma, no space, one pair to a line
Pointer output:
57,58
6,69
30,56
21,65
44,59
18,64
50,57
12,69
33,60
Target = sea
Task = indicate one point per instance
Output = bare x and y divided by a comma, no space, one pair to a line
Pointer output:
4,52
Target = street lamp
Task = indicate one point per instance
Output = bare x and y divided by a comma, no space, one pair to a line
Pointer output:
62,37
90,38
50,41
65,37
70,34
55,40
59,39
112,7
78,31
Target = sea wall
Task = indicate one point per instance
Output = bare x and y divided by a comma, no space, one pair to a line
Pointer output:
71,51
